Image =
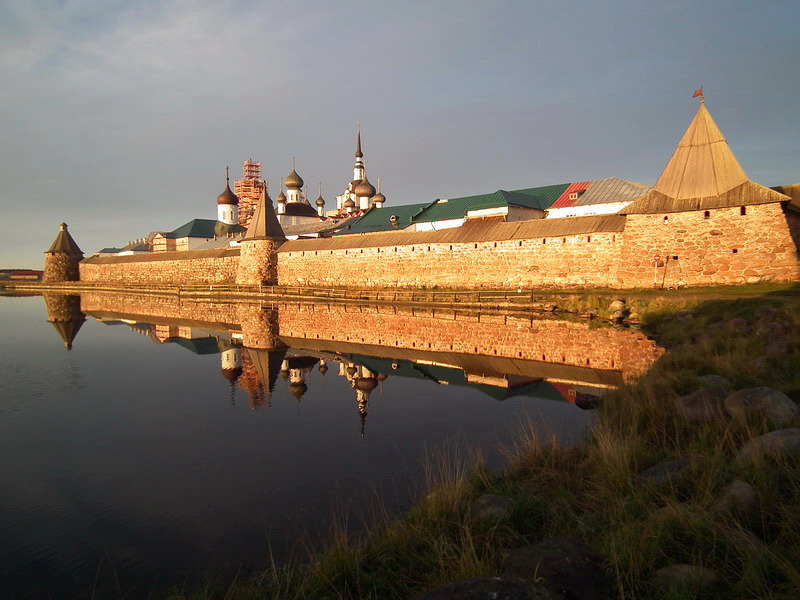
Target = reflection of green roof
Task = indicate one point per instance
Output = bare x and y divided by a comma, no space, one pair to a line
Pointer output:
453,376
206,345
378,219
203,228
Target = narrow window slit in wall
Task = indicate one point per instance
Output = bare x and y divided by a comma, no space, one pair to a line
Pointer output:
544,240
520,244
707,214
563,240
476,245
588,238
666,220
735,250
742,210
495,244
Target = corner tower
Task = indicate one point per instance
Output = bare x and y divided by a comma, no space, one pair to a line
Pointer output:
258,262
62,259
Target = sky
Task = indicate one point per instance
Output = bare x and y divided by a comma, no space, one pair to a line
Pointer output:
120,117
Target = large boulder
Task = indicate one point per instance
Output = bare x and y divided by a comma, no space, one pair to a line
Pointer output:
741,501
567,566
762,401
703,405
494,588
778,443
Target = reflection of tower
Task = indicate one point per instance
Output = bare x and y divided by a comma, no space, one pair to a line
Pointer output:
231,359
64,312
297,368
267,365
364,384
323,366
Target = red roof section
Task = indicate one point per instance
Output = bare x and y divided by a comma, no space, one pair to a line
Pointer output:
573,188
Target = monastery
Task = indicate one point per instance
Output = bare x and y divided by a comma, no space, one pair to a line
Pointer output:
702,223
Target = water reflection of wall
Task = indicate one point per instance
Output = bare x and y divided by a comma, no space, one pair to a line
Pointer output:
572,348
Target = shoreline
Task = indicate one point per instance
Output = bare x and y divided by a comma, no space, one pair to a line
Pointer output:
646,536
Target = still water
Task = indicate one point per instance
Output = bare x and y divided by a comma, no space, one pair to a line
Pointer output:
147,440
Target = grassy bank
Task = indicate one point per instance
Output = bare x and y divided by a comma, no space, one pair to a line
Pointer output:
592,493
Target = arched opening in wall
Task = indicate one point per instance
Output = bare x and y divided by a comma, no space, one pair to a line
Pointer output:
587,361
520,244
362,251
707,214
476,245
451,246
735,250
613,238
743,210
563,240
429,248
544,240
412,248
666,220
303,253
495,244
588,238
395,248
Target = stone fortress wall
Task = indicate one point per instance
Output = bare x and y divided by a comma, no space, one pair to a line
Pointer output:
163,268
714,247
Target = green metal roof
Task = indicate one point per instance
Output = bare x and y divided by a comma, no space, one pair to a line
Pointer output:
378,219
544,195
203,228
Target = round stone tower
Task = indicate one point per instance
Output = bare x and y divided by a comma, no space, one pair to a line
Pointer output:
62,259
258,260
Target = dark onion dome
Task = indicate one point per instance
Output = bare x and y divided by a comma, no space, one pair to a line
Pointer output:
298,389
320,201
281,199
294,181
300,209
349,203
381,377
232,374
323,369
351,370
366,384
365,189
379,198
227,196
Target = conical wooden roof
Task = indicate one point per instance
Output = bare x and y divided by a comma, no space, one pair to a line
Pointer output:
264,225
64,243
702,173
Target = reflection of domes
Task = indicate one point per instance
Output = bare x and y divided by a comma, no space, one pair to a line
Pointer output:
294,180
298,389
380,377
351,370
323,369
285,373
366,384
232,374
365,189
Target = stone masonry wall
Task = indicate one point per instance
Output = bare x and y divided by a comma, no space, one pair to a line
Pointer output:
723,247
164,268
576,260
60,266
550,341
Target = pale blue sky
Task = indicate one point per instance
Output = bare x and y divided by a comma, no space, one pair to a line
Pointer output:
119,117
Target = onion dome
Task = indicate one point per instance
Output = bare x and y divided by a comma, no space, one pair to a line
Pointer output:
281,199
378,198
349,203
294,181
365,189
320,201
227,196
366,384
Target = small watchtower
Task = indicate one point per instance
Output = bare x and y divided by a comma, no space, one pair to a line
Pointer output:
62,259
258,262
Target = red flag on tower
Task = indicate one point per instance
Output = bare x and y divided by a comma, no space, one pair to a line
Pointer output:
697,93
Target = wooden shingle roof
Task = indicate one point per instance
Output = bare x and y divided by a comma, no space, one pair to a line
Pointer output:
702,174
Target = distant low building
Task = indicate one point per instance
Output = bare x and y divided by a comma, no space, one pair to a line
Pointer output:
195,233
